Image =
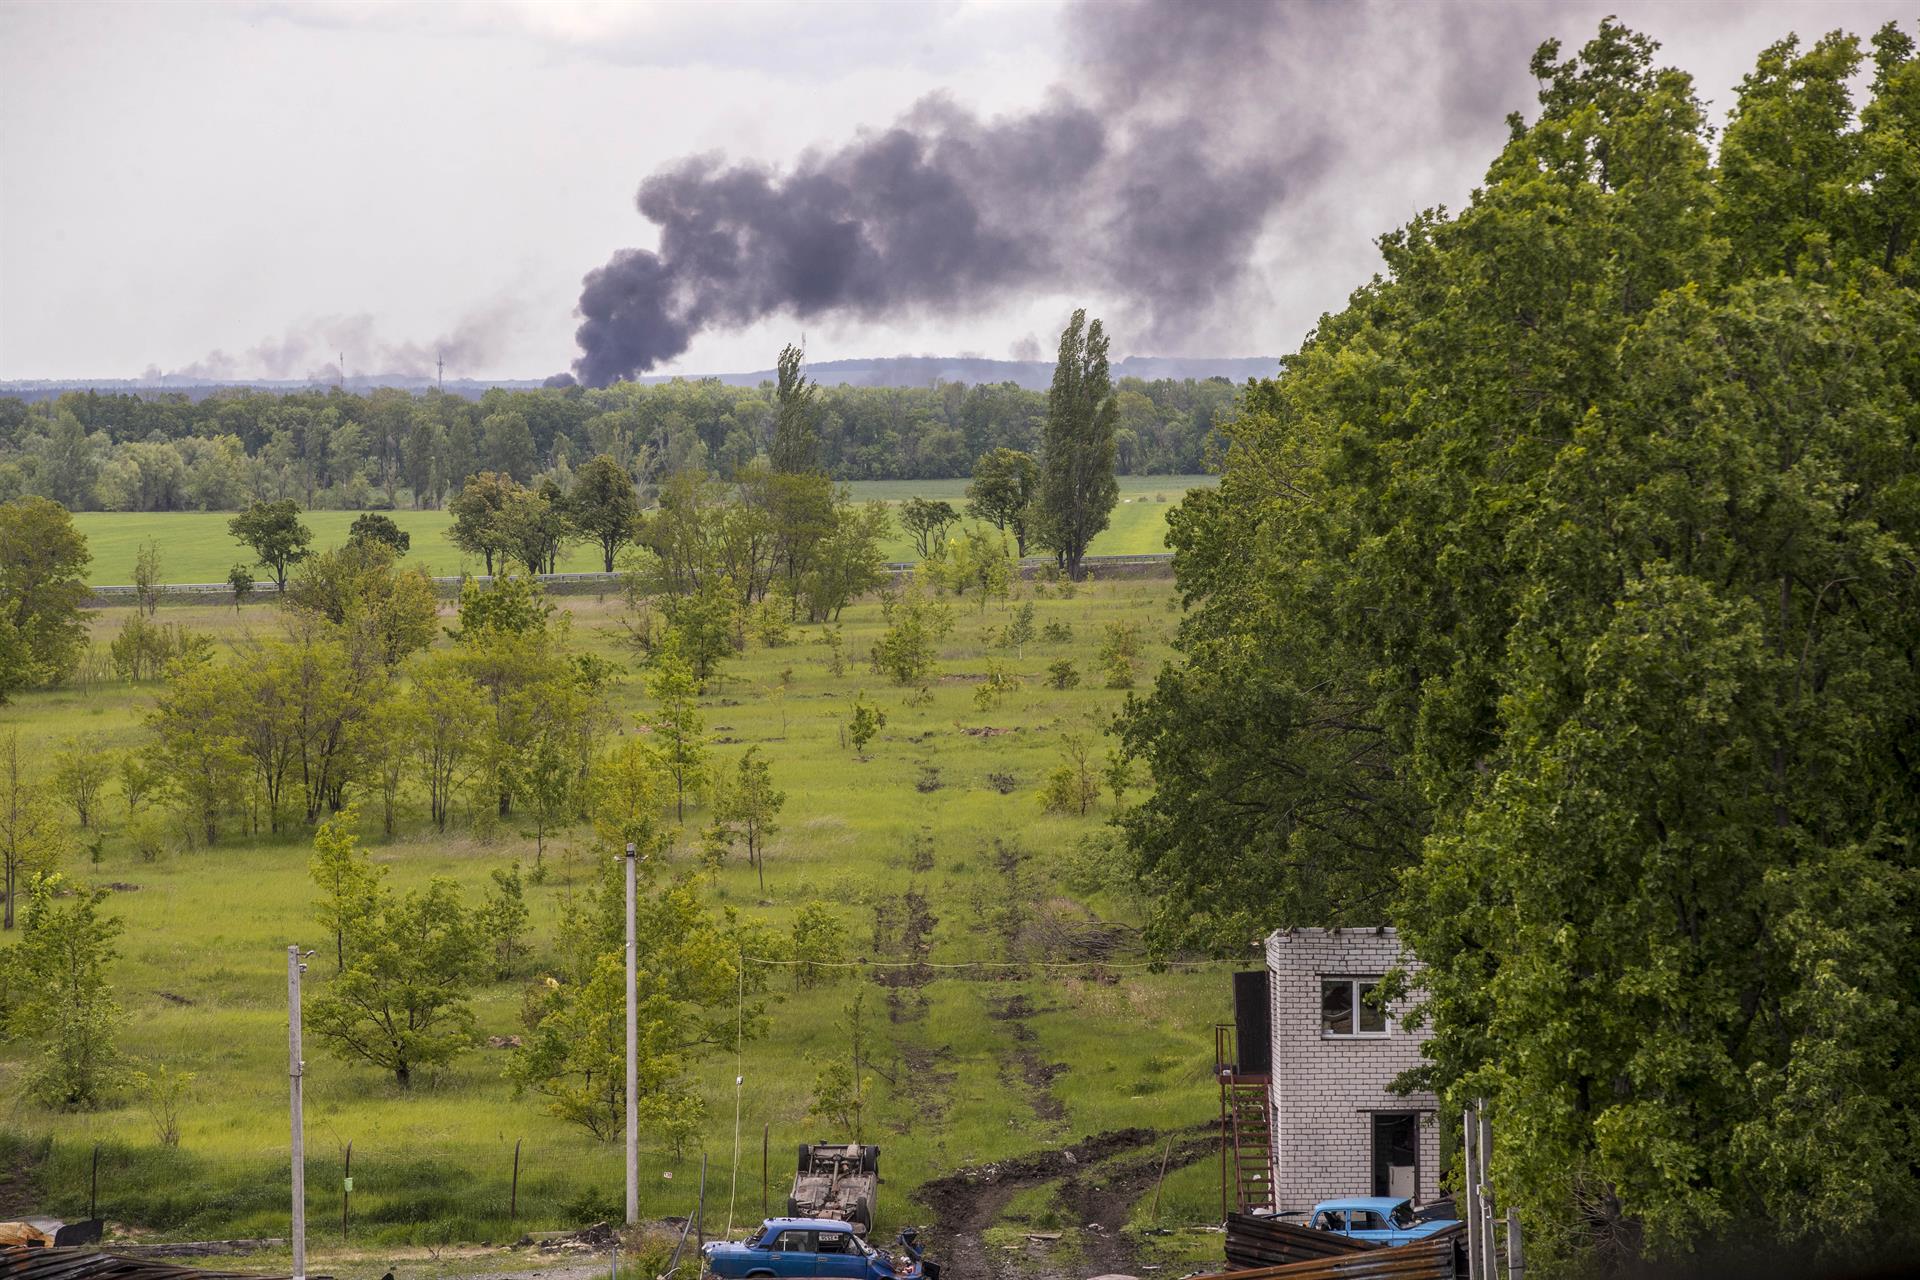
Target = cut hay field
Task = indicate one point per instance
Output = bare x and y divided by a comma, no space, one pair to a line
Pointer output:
196,547
974,1066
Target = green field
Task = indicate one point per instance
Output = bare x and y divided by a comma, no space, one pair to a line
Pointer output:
196,547
974,1066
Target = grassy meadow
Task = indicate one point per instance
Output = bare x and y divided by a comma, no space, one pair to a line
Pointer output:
196,547
974,1066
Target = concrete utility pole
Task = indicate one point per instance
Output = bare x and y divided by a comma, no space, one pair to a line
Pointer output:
1483,1198
1469,1207
633,1061
296,1069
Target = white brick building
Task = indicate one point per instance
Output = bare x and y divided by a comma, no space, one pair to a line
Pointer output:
1337,1129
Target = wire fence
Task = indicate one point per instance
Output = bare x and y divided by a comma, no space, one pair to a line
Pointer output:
378,1190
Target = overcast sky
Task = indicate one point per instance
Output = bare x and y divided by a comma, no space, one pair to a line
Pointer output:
244,189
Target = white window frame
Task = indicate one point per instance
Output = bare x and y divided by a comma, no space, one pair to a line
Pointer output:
1353,982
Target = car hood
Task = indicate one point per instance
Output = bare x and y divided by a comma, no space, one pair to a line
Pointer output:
1421,1229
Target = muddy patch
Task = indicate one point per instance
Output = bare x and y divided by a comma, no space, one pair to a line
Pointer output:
928,1086
967,1202
1035,1071
1100,1200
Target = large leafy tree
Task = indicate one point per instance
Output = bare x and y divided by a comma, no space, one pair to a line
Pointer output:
59,970
478,528
603,507
1558,605
372,526
1002,492
697,997
42,560
274,532
404,1002
1077,488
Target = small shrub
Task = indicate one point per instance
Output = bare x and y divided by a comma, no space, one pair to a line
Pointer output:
1057,632
928,781
1118,650
1063,674
865,721
1071,786
160,1093
999,683
1020,630
770,625
142,649
907,649
836,641
1004,783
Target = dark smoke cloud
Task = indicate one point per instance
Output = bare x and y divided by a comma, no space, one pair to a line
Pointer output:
1190,130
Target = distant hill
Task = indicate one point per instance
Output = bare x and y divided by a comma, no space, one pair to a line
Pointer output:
883,371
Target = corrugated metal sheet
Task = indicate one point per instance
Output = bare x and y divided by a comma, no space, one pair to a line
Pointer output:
1265,1249
1428,1260
1267,1242
20,1263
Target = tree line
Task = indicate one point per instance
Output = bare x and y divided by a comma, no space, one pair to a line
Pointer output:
163,451
1558,605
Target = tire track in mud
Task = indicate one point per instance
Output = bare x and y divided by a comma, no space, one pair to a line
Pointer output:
1035,1070
1102,1199
967,1202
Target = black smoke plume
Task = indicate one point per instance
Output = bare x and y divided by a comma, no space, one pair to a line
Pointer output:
1188,127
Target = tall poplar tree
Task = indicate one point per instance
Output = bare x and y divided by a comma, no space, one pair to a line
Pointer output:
1077,486
796,443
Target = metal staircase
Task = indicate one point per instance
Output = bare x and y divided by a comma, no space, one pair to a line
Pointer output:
1246,1131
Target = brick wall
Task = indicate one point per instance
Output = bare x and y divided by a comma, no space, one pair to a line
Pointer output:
1326,1088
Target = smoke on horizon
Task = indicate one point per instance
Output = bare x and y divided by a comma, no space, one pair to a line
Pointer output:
1190,128
312,349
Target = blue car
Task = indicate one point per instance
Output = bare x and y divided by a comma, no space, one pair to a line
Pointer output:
1379,1219
815,1247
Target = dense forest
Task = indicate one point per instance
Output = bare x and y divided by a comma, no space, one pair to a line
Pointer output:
1559,603
390,447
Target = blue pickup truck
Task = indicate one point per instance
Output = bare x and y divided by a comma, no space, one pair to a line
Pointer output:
1380,1219
785,1247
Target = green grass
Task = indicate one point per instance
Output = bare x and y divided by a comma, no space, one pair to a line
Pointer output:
196,547
202,969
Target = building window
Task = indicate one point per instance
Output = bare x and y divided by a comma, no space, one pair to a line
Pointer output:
1347,1008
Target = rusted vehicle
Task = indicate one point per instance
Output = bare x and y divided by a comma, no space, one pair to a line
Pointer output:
835,1180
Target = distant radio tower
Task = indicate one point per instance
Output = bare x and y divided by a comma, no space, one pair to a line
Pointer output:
439,372
343,371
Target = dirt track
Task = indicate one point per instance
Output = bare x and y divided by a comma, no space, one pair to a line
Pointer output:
966,1203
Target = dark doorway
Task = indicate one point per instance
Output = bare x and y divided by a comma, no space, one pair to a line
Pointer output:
1253,1023
1396,1154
